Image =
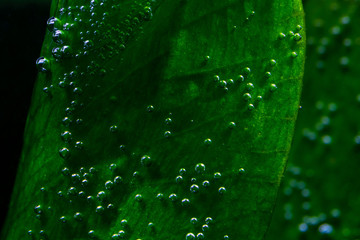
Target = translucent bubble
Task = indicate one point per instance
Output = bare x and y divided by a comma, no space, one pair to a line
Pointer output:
64,153
246,71
109,185
194,188
146,161
182,171
222,190
325,228
38,209
326,139
88,44
293,54
206,184
222,84
240,78
185,202
168,121
241,171
272,62
66,51
267,74
217,175
122,233
335,213
63,219
247,97
118,180
138,198
160,196
124,223
273,87
200,236
66,136
42,64
179,179
150,108
193,220
297,37
167,134
75,178
205,228
249,86
173,197
190,236
91,234
113,128
282,36
78,216
115,237
51,23
65,171
207,141
101,196
345,20
148,13
231,125
58,36
200,168
72,191
216,78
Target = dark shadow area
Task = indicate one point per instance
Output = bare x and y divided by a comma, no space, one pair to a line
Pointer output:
22,30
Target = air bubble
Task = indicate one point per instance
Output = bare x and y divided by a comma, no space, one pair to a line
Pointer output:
185,202
66,136
217,175
57,36
206,184
200,236
64,153
249,86
51,22
231,125
205,228
246,97
297,37
193,220
146,161
222,190
246,71
173,197
190,236
200,168
109,185
182,171
207,141
273,87
194,188
78,216
167,134
179,179
42,64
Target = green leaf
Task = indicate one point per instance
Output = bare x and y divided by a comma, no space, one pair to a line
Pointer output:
162,120
320,196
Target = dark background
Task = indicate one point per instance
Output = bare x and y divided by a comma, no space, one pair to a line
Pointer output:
22,30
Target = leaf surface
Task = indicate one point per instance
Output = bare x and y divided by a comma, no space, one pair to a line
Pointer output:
161,120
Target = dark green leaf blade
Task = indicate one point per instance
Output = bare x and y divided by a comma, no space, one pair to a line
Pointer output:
211,88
